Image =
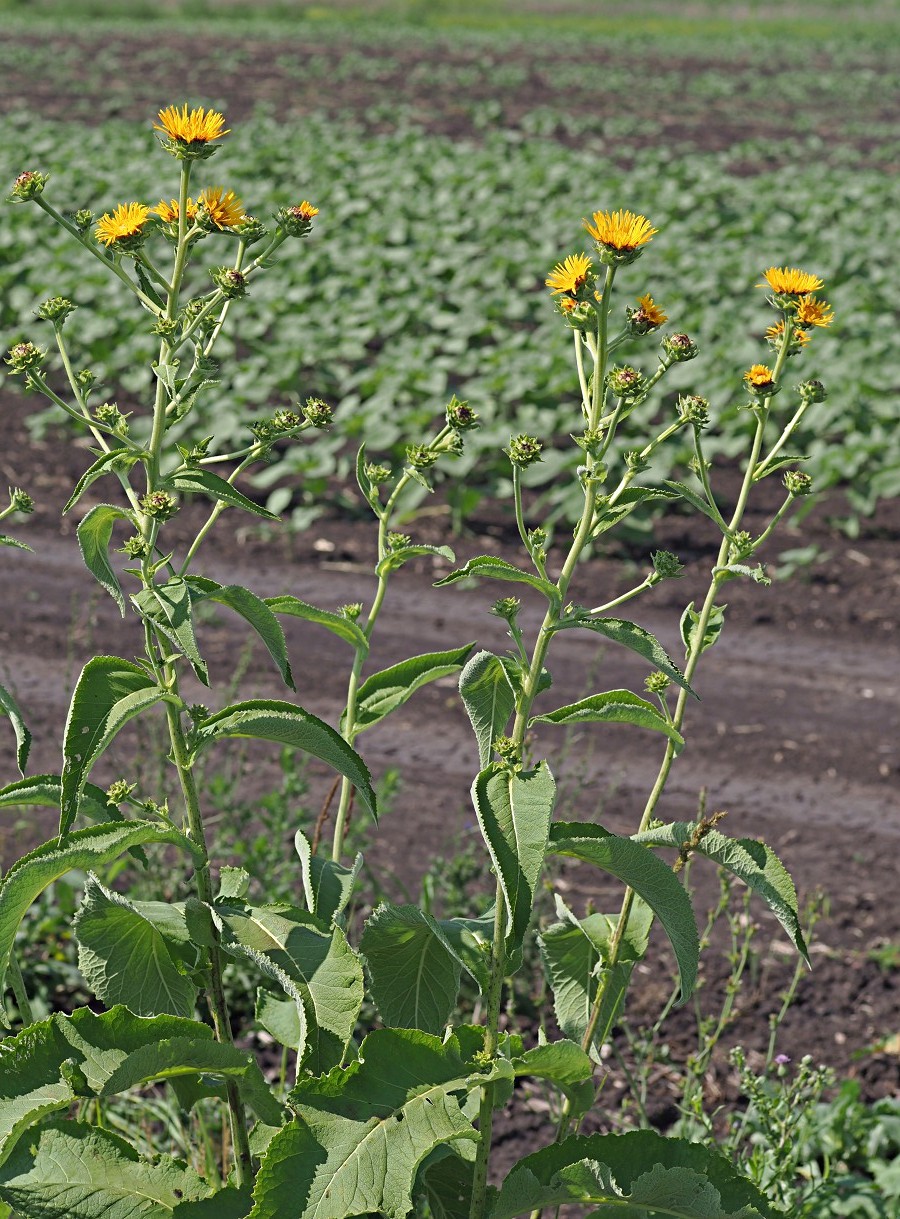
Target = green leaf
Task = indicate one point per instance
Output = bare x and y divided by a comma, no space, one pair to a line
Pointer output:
109,692
445,1180
123,458
489,700
757,573
363,1131
632,636
84,849
642,871
227,1203
368,488
125,959
20,728
255,611
288,724
336,623
640,1175
6,540
383,692
168,606
324,974
787,460
413,969
612,707
204,482
631,498
751,861
327,886
396,558
45,791
696,500
564,1064
486,566
94,533
514,812
690,623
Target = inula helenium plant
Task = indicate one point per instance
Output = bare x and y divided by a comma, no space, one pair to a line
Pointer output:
395,1116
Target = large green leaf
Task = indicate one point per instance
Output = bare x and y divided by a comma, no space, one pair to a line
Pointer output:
85,849
45,791
445,1181
639,1175
327,885
612,707
642,871
489,700
109,692
413,968
383,692
632,636
498,569
20,728
323,972
204,482
752,861
106,463
514,812
564,1064
288,724
362,1132
256,612
94,533
168,606
125,959
343,627
396,558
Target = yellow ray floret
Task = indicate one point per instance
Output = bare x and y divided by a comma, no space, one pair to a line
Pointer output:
223,207
775,332
570,274
197,127
620,230
168,212
649,312
759,375
790,281
814,312
126,221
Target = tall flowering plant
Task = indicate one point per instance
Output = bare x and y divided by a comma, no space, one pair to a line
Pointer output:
398,1119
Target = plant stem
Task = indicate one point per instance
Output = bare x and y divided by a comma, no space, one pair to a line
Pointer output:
17,983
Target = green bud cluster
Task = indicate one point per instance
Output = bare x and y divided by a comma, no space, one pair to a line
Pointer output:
693,410
25,357
83,219
230,282
296,221
109,414
506,749
666,566
396,541
420,456
635,461
159,504
134,547
460,415
251,230
86,380
679,347
165,327
812,391
656,683
524,451
506,608
198,712
317,413
28,186
797,482
625,381
56,309
377,474
20,501
286,421
351,611
591,440
119,791
741,544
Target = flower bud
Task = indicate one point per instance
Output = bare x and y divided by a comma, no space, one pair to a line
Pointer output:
625,381
591,440
506,608
286,421
28,186
56,309
506,748
741,543
230,282
109,414
460,415
377,474
524,451
119,791
250,230
20,501
581,315
86,380
679,347
159,504
635,461
759,381
83,219
420,456
134,547
351,611
262,430
297,221
198,712
537,537
397,541
797,482
656,683
317,412
25,357
812,391
165,327
666,566
693,409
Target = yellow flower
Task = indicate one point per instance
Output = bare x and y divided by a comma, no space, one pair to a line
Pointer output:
814,312
126,221
168,212
758,376
304,210
570,274
649,313
790,281
222,207
774,334
620,230
197,127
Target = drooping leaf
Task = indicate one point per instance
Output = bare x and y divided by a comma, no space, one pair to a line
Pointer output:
640,1175
20,728
612,707
94,533
343,627
564,1064
694,498
750,860
396,558
514,812
106,463
125,959
487,566
204,482
255,611
282,1018
384,692
413,969
631,498
644,872
85,849
489,700
109,692
690,625
368,488
327,886
288,724
45,791
168,606
632,636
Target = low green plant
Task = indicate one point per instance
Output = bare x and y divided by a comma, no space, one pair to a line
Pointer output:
402,1119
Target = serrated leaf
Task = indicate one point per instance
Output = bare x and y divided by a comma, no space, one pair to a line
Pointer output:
470,939
489,700
288,724
487,567
413,970
105,464
368,488
396,558
6,540
45,791
125,959
752,861
564,1064
84,849
327,885
253,610
94,533
20,728
788,460
642,871
639,1174
109,692
757,573
168,606
227,1203
204,482
690,623
384,692
514,812
612,707
633,497
632,636
693,498
445,1180
336,623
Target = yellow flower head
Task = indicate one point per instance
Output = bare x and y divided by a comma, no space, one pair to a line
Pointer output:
814,312
774,335
222,207
197,127
622,231
649,313
168,212
758,376
304,210
790,281
570,274
126,221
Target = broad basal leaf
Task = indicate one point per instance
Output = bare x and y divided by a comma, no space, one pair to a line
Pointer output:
632,636
612,707
413,969
489,700
94,533
9,705
383,692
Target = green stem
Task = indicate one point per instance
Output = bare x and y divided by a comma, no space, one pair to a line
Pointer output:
217,510
647,582
17,984
782,440
769,529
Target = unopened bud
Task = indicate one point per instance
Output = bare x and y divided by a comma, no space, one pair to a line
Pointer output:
86,380
625,381
693,409
679,347
250,230
506,748
134,547
506,608
109,414
420,456
297,221
656,683
286,421
83,219
159,504
812,391
460,415
20,501
56,309
377,474
317,412
524,451
25,357
797,482
351,611
666,566
741,543
635,461
28,186
119,791
230,282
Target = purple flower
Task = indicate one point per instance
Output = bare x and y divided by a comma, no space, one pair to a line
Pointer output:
781,1060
